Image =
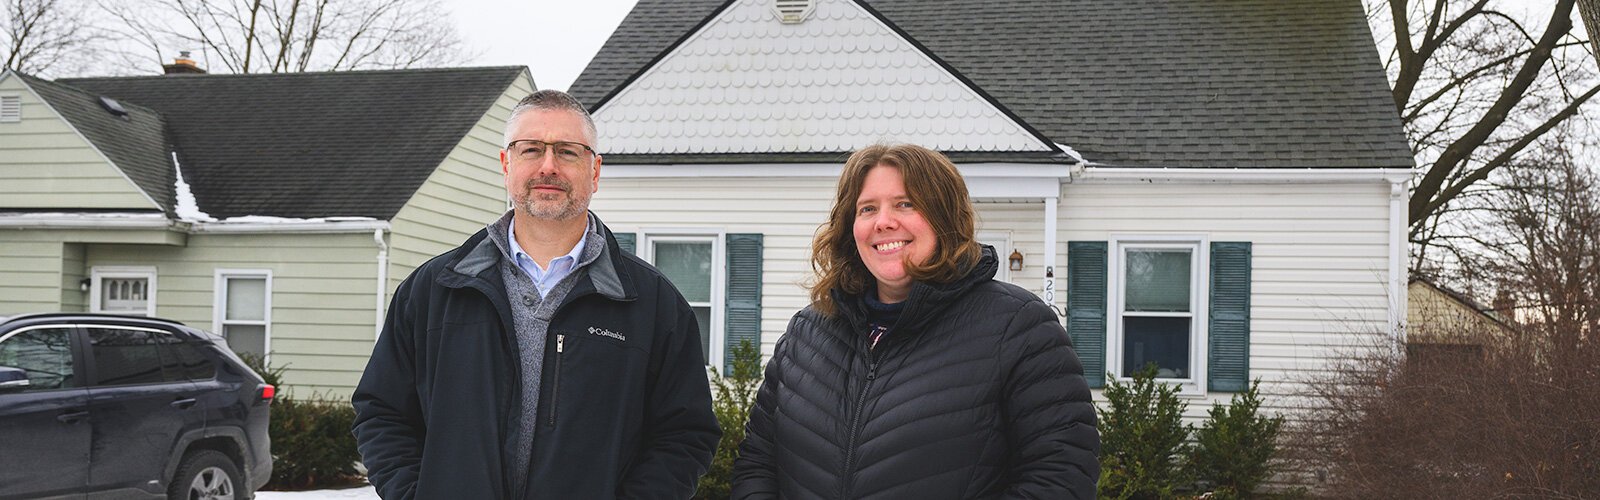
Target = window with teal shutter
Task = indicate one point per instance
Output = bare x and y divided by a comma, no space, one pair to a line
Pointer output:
744,293
1153,315
1086,307
1229,368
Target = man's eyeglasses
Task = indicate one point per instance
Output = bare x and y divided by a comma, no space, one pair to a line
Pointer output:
566,153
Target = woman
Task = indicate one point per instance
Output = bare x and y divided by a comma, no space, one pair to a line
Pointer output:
914,374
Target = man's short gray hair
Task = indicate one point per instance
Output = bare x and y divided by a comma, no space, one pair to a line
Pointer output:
550,100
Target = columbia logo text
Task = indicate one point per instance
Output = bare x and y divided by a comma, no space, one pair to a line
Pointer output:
607,333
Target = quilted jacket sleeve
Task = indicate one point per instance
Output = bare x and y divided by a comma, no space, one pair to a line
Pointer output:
755,472
1051,427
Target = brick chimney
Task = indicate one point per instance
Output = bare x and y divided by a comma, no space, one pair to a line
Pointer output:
183,65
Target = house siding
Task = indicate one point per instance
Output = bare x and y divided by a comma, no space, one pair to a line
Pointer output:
1320,269
1320,250
31,272
323,288
46,164
73,272
465,193
785,211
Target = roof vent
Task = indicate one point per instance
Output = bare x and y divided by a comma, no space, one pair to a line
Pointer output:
793,11
114,107
10,108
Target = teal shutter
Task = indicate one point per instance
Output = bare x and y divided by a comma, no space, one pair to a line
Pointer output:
743,311
1229,360
1086,307
626,241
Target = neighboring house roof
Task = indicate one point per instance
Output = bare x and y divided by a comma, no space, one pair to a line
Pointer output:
308,145
841,80
1461,299
1138,83
137,145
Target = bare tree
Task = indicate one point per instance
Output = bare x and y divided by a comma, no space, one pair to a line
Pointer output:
1488,409
278,36
44,36
1550,259
1476,87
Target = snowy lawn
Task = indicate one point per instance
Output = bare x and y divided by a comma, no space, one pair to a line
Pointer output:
363,492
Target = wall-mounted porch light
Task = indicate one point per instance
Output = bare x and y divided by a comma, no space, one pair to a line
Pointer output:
1016,260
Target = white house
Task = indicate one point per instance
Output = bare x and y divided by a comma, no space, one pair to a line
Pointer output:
1213,186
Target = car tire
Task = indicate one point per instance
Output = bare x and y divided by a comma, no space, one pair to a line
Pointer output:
206,475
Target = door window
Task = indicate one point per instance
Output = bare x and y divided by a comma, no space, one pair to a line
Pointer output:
45,353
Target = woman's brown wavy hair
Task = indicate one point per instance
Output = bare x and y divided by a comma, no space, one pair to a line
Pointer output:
937,191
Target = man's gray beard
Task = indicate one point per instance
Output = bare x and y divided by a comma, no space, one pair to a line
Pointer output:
574,205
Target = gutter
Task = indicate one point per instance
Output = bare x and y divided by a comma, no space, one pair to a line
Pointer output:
91,221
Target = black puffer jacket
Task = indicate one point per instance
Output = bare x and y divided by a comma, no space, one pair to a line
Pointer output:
975,393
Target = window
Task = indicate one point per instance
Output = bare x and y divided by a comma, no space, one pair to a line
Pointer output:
695,265
44,353
10,108
127,355
1158,310
123,290
243,310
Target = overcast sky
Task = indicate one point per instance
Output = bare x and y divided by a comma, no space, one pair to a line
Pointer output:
556,38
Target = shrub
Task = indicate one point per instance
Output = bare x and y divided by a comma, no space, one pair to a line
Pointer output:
311,442
1233,450
735,393
1142,439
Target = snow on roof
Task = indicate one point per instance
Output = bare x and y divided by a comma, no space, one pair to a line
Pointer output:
186,209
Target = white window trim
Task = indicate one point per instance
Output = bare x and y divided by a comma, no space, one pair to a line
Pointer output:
719,276
98,274
1199,293
1002,248
219,306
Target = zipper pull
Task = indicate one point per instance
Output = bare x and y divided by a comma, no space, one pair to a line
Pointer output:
561,343
872,371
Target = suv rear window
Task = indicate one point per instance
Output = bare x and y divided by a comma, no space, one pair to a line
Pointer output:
127,356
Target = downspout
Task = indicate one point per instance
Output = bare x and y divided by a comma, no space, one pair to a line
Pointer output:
383,281
1397,260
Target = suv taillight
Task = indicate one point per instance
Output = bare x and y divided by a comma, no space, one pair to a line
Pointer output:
266,392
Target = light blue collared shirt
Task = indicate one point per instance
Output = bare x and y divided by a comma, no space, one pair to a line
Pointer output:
560,267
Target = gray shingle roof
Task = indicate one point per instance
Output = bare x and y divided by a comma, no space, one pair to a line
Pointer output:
308,145
1136,83
137,145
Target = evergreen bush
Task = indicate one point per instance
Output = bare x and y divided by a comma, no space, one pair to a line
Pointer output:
312,446
735,393
1234,448
1142,438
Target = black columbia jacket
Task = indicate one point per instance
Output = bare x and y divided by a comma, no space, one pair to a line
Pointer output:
975,393
624,407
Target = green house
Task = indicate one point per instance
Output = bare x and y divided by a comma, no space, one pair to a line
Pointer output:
278,210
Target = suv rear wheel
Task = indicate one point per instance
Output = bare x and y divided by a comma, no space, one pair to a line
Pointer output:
206,475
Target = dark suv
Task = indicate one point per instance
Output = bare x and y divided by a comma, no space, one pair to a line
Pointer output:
125,407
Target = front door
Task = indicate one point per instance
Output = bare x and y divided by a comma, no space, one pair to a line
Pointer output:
44,427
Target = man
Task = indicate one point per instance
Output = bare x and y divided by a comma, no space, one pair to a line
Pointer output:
538,360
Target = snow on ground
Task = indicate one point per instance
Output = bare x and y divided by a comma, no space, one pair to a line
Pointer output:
362,493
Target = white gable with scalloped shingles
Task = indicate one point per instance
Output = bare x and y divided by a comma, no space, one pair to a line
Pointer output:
747,83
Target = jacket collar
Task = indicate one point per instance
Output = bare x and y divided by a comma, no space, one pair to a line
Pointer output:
479,258
925,300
